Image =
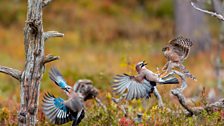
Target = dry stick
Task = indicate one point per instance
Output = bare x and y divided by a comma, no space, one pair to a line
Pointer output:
123,108
219,16
181,99
195,110
50,34
118,100
101,104
12,72
50,58
218,105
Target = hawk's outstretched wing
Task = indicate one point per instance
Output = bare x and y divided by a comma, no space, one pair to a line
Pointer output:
135,89
181,46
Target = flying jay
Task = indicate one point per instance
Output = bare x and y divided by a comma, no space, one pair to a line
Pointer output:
60,111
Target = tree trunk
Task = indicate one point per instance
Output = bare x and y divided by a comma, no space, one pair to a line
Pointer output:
191,23
219,8
34,68
30,78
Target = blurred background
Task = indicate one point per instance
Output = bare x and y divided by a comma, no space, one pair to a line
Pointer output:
108,37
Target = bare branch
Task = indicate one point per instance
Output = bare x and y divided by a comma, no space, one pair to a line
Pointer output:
124,110
182,100
218,105
50,58
198,110
219,16
12,72
118,100
101,104
51,34
194,110
45,2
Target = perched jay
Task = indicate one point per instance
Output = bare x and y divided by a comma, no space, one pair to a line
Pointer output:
141,85
60,111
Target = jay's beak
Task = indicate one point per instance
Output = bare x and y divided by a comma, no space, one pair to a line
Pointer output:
67,88
144,63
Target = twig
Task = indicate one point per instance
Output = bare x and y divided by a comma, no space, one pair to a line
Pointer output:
101,104
123,108
219,16
50,34
183,79
12,72
50,58
118,100
159,98
218,105
182,100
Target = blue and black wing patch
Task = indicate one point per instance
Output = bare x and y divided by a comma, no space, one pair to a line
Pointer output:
58,79
55,110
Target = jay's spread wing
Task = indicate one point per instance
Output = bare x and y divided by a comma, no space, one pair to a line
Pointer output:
55,110
135,89
58,79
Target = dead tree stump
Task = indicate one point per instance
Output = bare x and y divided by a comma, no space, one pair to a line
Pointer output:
35,60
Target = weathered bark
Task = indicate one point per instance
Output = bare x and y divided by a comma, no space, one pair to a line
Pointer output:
12,72
213,107
51,34
194,110
192,24
30,78
50,58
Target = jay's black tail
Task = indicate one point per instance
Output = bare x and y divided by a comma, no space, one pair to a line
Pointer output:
172,80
